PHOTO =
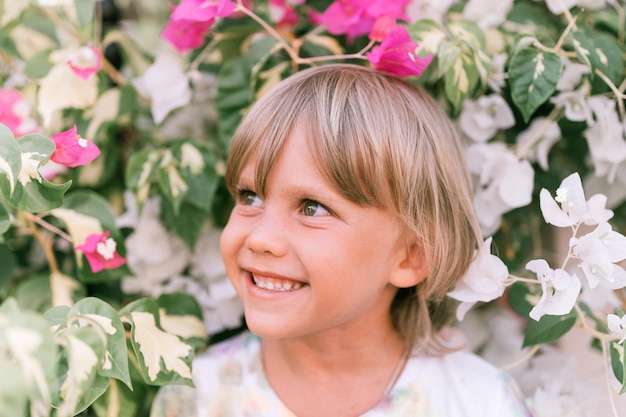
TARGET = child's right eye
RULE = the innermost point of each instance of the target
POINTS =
(249, 198)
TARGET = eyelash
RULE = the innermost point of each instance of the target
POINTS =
(243, 193)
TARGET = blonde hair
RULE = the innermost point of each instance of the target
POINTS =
(380, 142)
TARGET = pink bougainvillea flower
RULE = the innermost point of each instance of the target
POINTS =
(72, 150)
(383, 26)
(203, 10)
(86, 61)
(283, 13)
(100, 251)
(396, 55)
(356, 17)
(186, 35)
(14, 112)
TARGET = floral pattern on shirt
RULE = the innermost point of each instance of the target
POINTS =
(230, 382)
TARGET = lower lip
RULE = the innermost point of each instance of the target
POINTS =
(264, 293)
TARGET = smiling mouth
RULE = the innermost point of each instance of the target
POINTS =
(275, 284)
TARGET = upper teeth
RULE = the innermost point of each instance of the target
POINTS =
(275, 284)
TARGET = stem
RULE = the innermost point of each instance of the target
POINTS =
(513, 279)
(205, 52)
(112, 72)
(605, 359)
(61, 23)
(602, 337)
(290, 51)
(570, 25)
(41, 222)
(618, 94)
(531, 352)
(45, 241)
(97, 24)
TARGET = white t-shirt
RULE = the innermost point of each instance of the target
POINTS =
(230, 382)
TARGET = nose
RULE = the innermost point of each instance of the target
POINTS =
(268, 235)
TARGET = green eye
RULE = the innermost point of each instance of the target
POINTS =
(248, 198)
(313, 208)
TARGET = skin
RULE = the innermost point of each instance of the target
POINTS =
(329, 347)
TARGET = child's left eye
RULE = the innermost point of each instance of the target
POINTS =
(313, 208)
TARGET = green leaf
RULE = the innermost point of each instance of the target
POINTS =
(38, 65)
(31, 192)
(119, 401)
(427, 33)
(162, 356)
(180, 314)
(533, 76)
(85, 11)
(448, 54)
(236, 86)
(7, 266)
(28, 342)
(84, 351)
(617, 363)
(548, 329)
(92, 204)
(34, 293)
(140, 172)
(10, 161)
(98, 314)
(171, 180)
(13, 390)
(599, 52)
(57, 315)
(461, 80)
(518, 295)
(5, 219)
(187, 223)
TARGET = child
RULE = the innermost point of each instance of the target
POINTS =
(353, 219)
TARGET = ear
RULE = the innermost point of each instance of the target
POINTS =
(411, 269)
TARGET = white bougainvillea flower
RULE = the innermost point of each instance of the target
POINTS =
(617, 326)
(605, 137)
(535, 142)
(154, 254)
(496, 78)
(487, 13)
(165, 84)
(615, 192)
(569, 206)
(571, 75)
(86, 61)
(560, 6)
(429, 9)
(575, 104)
(485, 280)
(559, 290)
(504, 182)
(62, 89)
(481, 119)
(598, 250)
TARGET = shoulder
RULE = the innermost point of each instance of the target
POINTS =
(461, 384)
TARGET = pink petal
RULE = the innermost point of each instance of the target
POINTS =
(203, 10)
(72, 150)
(86, 61)
(383, 26)
(396, 55)
(96, 261)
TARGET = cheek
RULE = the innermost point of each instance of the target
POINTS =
(230, 242)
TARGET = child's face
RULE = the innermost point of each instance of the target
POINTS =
(305, 260)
